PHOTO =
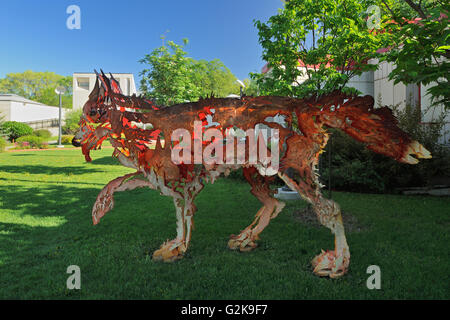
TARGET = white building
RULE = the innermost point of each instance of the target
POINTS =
(84, 82)
(35, 114)
(412, 94)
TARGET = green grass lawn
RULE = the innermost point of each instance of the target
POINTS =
(45, 225)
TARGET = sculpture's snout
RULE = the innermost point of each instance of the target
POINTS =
(76, 142)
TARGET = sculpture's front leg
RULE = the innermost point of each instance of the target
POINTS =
(328, 263)
(332, 263)
(174, 249)
(105, 199)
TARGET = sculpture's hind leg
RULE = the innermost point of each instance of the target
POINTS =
(329, 263)
(245, 241)
(185, 209)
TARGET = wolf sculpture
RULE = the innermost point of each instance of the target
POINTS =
(140, 133)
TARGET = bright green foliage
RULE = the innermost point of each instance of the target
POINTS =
(42, 133)
(71, 122)
(38, 86)
(32, 142)
(251, 87)
(213, 77)
(173, 78)
(2, 144)
(66, 139)
(420, 50)
(16, 129)
(331, 36)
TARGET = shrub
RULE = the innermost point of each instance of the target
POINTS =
(2, 144)
(30, 142)
(428, 135)
(355, 168)
(72, 119)
(66, 139)
(43, 133)
(16, 129)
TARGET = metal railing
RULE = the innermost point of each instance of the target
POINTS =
(42, 124)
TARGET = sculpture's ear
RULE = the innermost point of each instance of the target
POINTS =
(115, 86)
(106, 84)
(95, 92)
(103, 84)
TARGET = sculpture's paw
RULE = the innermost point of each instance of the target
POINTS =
(102, 205)
(170, 251)
(327, 264)
(243, 242)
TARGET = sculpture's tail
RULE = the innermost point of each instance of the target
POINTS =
(376, 128)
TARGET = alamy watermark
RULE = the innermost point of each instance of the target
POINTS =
(229, 150)
(74, 20)
(374, 18)
(74, 280)
(374, 281)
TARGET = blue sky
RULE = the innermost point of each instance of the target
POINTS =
(114, 34)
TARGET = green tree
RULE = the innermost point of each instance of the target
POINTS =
(336, 39)
(213, 77)
(71, 121)
(418, 43)
(329, 36)
(251, 87)
(38, 86)
(172, 77)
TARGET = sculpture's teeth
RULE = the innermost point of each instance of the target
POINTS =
(419, 150)
(416, 149)
(410, 160)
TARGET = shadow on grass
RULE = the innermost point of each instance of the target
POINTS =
(50, 199)
(43, 169)
(46, 228)
(59, 182)
(109, 160)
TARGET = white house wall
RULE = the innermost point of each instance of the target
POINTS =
(29, 112)
(5, 110)
(363, 83)
(385, 92)
(431, 114)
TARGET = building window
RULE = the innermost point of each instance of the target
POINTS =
(83, 83)
(128, 86)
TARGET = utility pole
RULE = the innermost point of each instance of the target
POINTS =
(59, 91)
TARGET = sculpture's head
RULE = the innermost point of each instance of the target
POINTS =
(94, 121)
(376, 127)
